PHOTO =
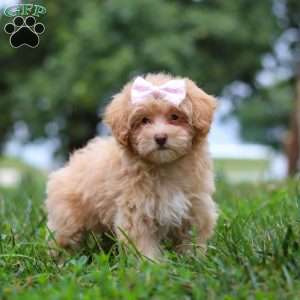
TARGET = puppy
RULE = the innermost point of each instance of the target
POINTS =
(152, 180)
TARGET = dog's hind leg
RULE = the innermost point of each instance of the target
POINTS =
(66, 223)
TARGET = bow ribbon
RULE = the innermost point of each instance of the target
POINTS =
(173, 91)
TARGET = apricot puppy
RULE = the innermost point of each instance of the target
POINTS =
(151, 180)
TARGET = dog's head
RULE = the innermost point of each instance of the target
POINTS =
(157, 130)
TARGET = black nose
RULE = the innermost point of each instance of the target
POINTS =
(160, 139)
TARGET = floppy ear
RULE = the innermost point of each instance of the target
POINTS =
(116, 117)
(203, 106)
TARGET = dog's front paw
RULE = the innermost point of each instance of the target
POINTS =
(191, 249)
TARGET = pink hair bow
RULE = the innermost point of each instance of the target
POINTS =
(173, 91)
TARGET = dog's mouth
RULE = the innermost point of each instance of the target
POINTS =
(159, 149)
(162, 148)
(163, 154)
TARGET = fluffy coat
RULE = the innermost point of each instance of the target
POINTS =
(126, 184)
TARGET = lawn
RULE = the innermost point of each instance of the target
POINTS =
(254, 254)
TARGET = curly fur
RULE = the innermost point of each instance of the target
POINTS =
(126, 184)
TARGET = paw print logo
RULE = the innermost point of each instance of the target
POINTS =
(24, 32)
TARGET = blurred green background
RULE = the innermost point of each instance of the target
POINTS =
(244, 52)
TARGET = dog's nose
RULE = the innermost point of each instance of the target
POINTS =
(160, 139)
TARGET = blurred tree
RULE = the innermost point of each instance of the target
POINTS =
(265, 114)
(272, 113)
(90, 49)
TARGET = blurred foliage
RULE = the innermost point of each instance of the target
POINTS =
(90, 49)
(24, 169)
(266, 113)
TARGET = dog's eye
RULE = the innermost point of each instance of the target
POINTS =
(174, 117)
(146, 120)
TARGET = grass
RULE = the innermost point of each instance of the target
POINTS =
(254, 254)
(238, 170)
(231, 165)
